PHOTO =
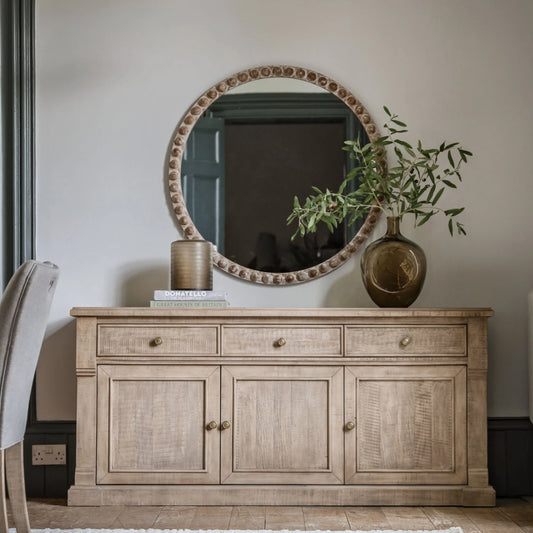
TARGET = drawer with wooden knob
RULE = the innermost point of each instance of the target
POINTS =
(157, 340)
(324, 341)
(445, 340)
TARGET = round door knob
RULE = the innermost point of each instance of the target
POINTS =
(281, 342)
(405, 341)
(211, 425)
(349, 426)
(225, 425)
(158, 341)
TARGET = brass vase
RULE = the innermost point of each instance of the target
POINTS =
(393, 268)
(191, 265)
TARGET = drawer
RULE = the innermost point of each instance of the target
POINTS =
(406, 340)
(157, 340)
(282, 340)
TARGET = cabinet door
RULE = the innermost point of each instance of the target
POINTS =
(284, 424)
(152, 424)
(410, 425)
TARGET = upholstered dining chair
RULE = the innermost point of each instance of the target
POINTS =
(24, 310)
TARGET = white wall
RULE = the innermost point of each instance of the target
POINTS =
(115, 76)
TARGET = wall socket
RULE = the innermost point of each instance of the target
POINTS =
(49, 454)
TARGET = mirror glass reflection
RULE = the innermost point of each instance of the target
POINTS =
(251, 152)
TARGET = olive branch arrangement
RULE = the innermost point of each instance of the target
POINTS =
(413, 185)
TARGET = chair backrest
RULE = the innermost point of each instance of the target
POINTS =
(24, 310)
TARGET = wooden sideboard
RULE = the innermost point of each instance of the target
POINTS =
(281, 407)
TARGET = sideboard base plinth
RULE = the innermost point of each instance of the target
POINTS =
(282, 495)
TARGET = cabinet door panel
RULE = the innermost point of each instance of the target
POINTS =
(152, 424)
(286, 424)
(410, 425)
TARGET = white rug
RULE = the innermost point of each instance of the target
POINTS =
(450, 530)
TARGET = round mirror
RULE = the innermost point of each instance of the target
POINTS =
(245, 148)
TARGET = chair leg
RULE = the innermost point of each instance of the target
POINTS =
(15, 486)
(3, 507)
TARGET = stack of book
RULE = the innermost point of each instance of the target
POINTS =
(184, 299)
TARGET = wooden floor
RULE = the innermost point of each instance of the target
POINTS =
(510, 515)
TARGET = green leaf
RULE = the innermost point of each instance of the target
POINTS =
(404, 143)
(450, 159)
(399, 123)
(437, 197)
(387, 111)
(452, 145)
(425, 218)
(450, 184)
(450, 226)
(296, 202)
(460, 229)
(454, 212)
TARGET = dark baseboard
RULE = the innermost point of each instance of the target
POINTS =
(49, 481)
(510, 458)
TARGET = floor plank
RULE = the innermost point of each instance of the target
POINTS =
(137, 517)
(407, 518)
(284, 518)
(175, 517)
(366, 518)
(50, 514)
(211, 518)
(445, 517)
(519, 511)
(247, 517)
(328, 518)
(491, 520)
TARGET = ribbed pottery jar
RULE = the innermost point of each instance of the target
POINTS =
(191, 265)
(393, 268)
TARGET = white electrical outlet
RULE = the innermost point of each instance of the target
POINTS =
(49, 454)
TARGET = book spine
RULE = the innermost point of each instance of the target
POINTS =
(189, 295)
(188, 303)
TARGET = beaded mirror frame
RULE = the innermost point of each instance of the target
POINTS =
(185, 127)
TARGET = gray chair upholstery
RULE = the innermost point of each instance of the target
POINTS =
(24, 310)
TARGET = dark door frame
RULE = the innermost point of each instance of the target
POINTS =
(18, 144)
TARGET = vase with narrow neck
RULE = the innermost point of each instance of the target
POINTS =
(393, 268)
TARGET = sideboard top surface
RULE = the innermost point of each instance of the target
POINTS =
(289, 312)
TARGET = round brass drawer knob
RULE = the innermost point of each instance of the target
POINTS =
(349, 426)
(158, 341)
(211, 425)
(225, 425)
(405, 341)
(281, 342)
